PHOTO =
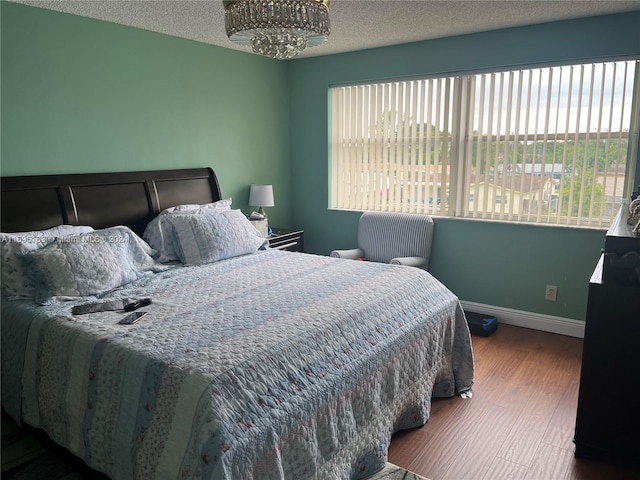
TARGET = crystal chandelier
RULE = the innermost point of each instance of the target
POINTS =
(277, 28)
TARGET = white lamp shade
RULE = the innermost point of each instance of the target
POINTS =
(261, 195)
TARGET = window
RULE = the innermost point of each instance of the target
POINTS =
(544, 145)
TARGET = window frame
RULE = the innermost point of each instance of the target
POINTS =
(461, 141)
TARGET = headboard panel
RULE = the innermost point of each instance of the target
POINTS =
(101, 199)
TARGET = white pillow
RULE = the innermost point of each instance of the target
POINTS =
(220, 205)
(89, 263)
(200, 239)
(159, 233)
(15, 281)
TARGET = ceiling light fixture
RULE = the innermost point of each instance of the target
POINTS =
(277, 28)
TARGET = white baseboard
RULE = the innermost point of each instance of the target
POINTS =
(536, 321)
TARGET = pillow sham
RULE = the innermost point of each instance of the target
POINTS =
(88, 264)
(200, 239)
(159, 232)
(220, 205)
(16, 284)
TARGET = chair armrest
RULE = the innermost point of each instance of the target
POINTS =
(420, 262)
(351, 254)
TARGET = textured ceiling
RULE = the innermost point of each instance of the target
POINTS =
(355, 24)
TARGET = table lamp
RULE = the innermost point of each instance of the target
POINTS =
(261, 196)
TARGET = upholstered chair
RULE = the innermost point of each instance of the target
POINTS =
(390, 237)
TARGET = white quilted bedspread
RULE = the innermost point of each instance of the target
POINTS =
(267, 366)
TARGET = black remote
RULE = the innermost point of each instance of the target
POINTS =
(99, 307)
(130, 307)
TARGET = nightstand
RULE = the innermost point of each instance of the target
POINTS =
(286, 239)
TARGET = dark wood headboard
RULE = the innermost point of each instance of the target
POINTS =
(101, 199)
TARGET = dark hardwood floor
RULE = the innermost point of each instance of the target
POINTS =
(519, 423)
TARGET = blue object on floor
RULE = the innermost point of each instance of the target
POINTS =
(481, 324)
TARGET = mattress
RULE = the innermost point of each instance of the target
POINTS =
(265, 366)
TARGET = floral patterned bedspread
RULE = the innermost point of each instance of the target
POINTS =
(267, 366)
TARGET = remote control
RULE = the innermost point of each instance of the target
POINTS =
(98, 307)
(130, 307)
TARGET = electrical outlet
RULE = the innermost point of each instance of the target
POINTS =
(551, 293)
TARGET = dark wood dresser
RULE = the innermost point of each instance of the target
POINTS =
(608, 416)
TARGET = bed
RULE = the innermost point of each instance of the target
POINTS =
(260, 365)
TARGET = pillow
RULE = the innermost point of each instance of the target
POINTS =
(88, 264)
(200, 239)
(159, 233)
(220, 205)
(15, 281)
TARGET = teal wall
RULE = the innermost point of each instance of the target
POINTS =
(82, 95)
(486, 262)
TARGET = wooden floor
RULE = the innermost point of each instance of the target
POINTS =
(519, 423)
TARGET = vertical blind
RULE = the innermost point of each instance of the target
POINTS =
(545, 145)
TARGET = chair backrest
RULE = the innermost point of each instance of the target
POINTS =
(386, 235)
